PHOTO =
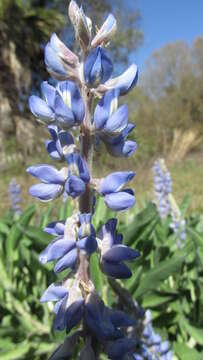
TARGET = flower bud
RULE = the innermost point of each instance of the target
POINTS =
(106, 32)
(66, 349)
(98, 67)
(81, 24)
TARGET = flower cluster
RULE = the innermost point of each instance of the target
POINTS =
(15, 197)
(151, 346)
(165, 201)
(66, 110)
(162, 188)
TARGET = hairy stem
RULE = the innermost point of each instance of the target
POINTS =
(85, 202)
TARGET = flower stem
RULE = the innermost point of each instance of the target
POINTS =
(85, 202)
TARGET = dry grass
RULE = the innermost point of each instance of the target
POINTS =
(182, 144)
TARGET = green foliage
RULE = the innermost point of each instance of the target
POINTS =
(165, 279)
(25, 324)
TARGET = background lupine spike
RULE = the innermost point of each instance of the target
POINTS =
(165, 201)
(15, 197)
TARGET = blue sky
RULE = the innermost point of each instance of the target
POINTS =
(166, 21)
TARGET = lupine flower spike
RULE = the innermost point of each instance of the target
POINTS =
(165, 201)
(15, 197)
(66, 110)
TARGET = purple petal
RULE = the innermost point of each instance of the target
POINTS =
(119, 271)
(40, 109)
(47, 173)
(120, 201)
(83, 169)
(87, 244)
(98, 67)
(52, 150)
(74, 186)
(121, 319)
(59, 321)
(74, 314)
(119, 348)
(125, 82)
(49, 93)
(46, 192)
(105, 107)
(115, 181)
(64, 115)
(71, 96)
(118, 120)
(106, 32)
(53, 129)
(66, 261)
(55, 228)
(120, 253)
(63, 52)
(53, 293)
(65, 138)
(53, 63)
(56, 249)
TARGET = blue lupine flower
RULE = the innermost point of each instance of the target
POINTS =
(104, 109)
(98, 320)
(69, 306)
(53, 182)
(44, 110)
(124, 83)
(113, 252)
(98, 67)
(87, 235)
(60, 144)
(63, 247)
(113, 126)
(115, 197)
(62, 105)
(69, 106)
(115, 181)
(15, 197)
(106, 31)
(55, 228)
(78, 175)
(61, 63)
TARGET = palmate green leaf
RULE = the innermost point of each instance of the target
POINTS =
(154, 277)
(18, 351)
(185, 353)
(194, 332)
